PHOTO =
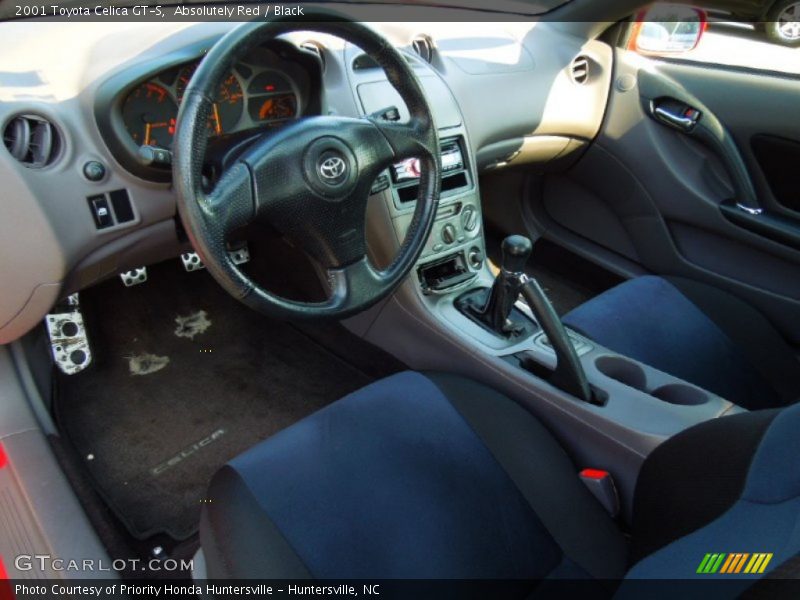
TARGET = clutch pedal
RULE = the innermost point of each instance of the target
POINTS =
(69, 342)
(134, 276)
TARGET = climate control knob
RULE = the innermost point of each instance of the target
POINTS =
(469, 218)
(449, 234)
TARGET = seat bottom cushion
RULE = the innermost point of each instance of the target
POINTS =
(659, 323)
(415, 476)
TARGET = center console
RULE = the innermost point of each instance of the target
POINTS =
(607, 409)
(454, 253)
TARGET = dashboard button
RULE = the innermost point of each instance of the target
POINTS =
(475, 258)
(94, 170)
(100, 211)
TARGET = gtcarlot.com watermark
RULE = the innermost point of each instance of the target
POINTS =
(46, 563)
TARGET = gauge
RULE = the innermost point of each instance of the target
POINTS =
(273, 108)
(149, 115)
(269, 82)
(228, 102)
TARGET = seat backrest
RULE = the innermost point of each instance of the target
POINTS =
(721, 500)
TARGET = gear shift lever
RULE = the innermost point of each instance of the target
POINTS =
(507, 285)
(510, 281)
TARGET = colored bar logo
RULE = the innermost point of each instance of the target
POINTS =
(742, 563)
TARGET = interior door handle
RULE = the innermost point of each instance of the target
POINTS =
(659, 91)
(684, 123)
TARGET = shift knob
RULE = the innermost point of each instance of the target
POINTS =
(516, 252)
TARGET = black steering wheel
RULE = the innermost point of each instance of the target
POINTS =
(311, 179)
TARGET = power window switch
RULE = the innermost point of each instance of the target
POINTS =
(101, 212)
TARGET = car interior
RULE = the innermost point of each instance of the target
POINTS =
(452, 295)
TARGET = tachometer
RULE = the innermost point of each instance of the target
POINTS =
(149, 115)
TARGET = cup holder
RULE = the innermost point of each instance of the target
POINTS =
(624, 371)
(678, 393)
(631, 374)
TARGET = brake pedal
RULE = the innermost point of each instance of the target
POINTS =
(69, 341)
(134, 276)
(191, 261)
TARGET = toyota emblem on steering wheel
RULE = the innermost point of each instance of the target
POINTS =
(332, 169)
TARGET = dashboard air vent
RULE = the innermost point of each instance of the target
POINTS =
(32, 140)
(423, 46)
(579, 70)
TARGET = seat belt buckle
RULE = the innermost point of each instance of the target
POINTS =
(602, 487)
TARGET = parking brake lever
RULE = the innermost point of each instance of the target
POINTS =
(569, 374)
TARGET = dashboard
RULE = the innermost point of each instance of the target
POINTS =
(505, 92)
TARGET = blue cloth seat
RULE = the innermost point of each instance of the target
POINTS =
(697, 333)
(435, 476)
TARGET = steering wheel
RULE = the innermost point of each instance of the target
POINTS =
(310, 179)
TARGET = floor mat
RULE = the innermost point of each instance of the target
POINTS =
(185, 378)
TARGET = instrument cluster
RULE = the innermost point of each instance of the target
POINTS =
(248, 97)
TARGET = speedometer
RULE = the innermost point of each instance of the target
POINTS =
(149, 114)
(228, 102)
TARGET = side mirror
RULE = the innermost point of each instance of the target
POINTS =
(668, 29)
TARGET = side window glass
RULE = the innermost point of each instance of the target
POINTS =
(759, 34)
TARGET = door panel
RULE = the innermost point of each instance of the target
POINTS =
(749, 104)
(673, 196)
(778, 159)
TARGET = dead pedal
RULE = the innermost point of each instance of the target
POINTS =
(134, 276)
(69, 341)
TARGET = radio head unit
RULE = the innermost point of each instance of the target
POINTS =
(409, 169)
(455, 174)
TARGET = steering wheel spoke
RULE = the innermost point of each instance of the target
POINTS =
(351, 286)
(407, 140)
(230, 205)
